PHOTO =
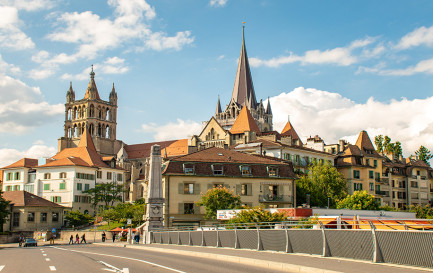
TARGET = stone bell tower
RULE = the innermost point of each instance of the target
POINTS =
(99, 116)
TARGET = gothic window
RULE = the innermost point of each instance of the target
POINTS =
(92, 111)
(99, 130)
(107, 114)
(75, 113)
(69, 114)
(99, 112)
(92, 129)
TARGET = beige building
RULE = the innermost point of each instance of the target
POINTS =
(31, 213)
(258, 180)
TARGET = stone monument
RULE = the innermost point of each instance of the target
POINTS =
(155, 201)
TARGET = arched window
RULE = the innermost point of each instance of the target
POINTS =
(99, 112)
(107, 114)
(92, 129)
(99, 132)
(75, 113)
(92, 111)
(141, 191)
(74, 131)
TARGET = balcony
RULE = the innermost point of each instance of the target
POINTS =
(382, 193)
(275, 198)
(384, 181)
(423, 178)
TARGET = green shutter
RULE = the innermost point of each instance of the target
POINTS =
(181, 189)
(180, 208)
(196, 209)
(52, 198)
(196, 188)
(280, 190)
(249, 189)
(238, 189)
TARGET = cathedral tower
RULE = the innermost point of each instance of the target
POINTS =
(99, 116)
(243, 95)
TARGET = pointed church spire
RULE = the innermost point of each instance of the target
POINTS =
(243, 90)
(92, 91)
(113, 96)
(268, 108)
(70, 94)
(218, 108)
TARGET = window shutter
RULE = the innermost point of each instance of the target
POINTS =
(196, 188)
(196, 209)
(238, 189)
(249, 189)
(181, 189)
(280, 190)
(52, 198)
(180, 208)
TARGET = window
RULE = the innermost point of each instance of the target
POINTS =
(8, 176)
(55, 217)
(56, 199)
(99, 174)
(86, 187)
(46, 187)
(245, 170)
(188, 188)
(43, 216)
(370, 174)
(29, 188)
(62, 186)
(30, 217)
(16, 219)
(273, 171)
(375, 163)
(414, 184)
(109, 175)
(188, 168)
(47, 176)
(188, 208)
(357, 186)
(371, 186)
(217, 169)
(119, 177)
(15, 187)
(62, 175)
(356, 174)
(17, 176)
(367, 162)
(8, 188)
(79, 186)
(377, 177)
(31, 177)
(246, 189)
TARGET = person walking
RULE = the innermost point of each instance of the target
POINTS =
(21, 240)
(137, 237)
(83, 238)
(114, 236)
(77, 239)
(103, 236)
(71, 239)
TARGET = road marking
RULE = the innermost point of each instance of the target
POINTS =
(121, 257)
(52, 268)
(1, 267)
(44, 254)
(113, 268)
(47, 259)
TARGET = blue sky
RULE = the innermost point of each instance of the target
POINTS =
(336, 67)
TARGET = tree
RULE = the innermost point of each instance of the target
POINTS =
(425, 212)
(77, 218)
(397, 149)
(388, 146)
(384, 145)
(424, 154)
(359, 200)
(4, 210)
(217, 199)
(107, 193)
(323, 181)
(123, 211)
(257, 215)
(378, 141)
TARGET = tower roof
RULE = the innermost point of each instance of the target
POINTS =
(86, 141)
(268, 108)
(244, 122)
(290, 131)
(365, 145)
(243, 90)
(218, 108)
(92, 87)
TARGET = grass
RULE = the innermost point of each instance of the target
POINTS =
(112, 225)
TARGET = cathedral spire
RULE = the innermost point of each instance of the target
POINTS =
(113, 96)
(268, 108)
(92, 91)
(243, 90)
(218, 108)
(70, 94)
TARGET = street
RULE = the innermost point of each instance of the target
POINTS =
(91, 258)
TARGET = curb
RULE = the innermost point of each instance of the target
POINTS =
(247, 261)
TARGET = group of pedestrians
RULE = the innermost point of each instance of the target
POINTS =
(77, 239)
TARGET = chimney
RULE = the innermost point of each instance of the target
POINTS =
(340, 145)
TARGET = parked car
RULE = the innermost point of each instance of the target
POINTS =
(30, 242)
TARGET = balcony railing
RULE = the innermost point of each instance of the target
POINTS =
(423, 177)
(382, 193)
(275, 198)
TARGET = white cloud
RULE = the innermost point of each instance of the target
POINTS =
(10, 34)
(9, 156)
(29, 5)
(333, 117)
(112, 65)
(420, 36)
(217, 3)
(173, 130)
(339, 56)
(8, 68)
(158, 41)
(424, 66)
(24, 108)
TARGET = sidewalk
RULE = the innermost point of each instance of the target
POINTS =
(276, 260)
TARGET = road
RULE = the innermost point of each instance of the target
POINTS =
(91, 258)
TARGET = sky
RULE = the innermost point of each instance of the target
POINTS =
(334, 67)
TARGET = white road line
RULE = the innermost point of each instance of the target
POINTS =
(44, 254)
(115, 269)
(52, 268)
(121, 257)
(47, 259)
(1, 267)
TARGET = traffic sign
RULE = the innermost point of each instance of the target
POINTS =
(53, 230)
(129, 222)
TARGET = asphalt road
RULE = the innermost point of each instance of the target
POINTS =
(90, 258)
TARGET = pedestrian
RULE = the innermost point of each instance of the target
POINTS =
(77, 239)
(83, 238)
(71, 239)
(52, 239)
(114, 236)
(21, 240)
(137, 238)
(103, 236)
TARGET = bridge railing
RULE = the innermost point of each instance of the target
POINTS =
(364, 241)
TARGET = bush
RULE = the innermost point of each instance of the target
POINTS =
(77, 218)
(257, 215)
(218, 198)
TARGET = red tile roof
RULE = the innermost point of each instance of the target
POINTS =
(289, 130)
(24, 162)
(244, 123)
(143, 150)
(26, 199)
(179, 147)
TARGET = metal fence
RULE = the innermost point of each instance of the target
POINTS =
(407, 247)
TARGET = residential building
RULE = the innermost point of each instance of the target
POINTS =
(30, 212)
(257, 179)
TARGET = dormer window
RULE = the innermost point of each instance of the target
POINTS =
(245, 170)
(217, 169)
(188, 168)
(273, 171)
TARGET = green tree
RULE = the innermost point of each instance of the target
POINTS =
(359, 200)
(323, 181)
(424, 154)
(422, 212)
(217, 199)
(123, 211)
(257, 215)
(106, 193)
(397, 149)
(77, 218)
(378, 141)
(4, 210)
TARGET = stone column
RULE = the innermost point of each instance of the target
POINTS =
(154, 200)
